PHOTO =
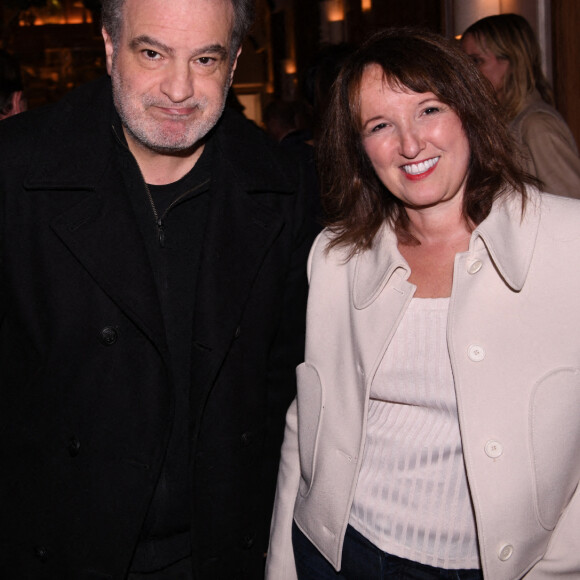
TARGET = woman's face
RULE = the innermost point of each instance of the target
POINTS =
(415, 142)
(490, 66)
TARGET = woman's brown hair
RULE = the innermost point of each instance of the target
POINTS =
(356, 202)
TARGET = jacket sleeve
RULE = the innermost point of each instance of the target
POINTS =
(553, 157)
(562, 558)
(280, 562)
(287, 351)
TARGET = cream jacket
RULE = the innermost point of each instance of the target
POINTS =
(548, 147)
(514, 345)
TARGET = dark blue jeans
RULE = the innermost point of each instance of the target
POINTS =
(362, 560)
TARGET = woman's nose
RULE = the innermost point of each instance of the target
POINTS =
(411, 142)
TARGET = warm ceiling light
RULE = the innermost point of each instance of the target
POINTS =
(334, 10)
(290, 67)
(366, 5)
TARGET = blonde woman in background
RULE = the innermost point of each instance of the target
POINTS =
(506, 51)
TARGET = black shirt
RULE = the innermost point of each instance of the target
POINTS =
(172, 218)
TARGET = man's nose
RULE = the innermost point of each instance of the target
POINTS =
(178, 83)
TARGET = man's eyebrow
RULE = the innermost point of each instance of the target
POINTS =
(145, 40)
(212, 49)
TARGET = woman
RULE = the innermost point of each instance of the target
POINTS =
(506, 51)
(435, 433)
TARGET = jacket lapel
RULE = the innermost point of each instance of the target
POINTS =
(239, 233)
(99, 227)
(103, 234)
(511, 241)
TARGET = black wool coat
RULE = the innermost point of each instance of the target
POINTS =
(85, 395)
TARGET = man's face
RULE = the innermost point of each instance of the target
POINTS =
(171, 70)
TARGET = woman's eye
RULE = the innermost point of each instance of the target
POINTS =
(431, 110)
(378, 127)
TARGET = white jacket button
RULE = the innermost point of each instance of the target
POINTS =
(475, 266)
(506, 552)
(475, 353)
(493, 449)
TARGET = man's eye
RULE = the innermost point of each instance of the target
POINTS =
(151, 54)
(206, 60)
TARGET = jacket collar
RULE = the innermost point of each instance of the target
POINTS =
(73, 165)
(251, 158)
(508, 237)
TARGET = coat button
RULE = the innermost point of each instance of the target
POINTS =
(109, 336)
(475, 353)
(41, 553)
(506, 552)
(74, 446)
(493, 449)
(238, 332)
(475, 266)
(247, 438)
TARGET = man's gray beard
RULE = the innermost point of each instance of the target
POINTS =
(138, 129)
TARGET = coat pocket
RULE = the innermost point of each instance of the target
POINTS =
(310, 403)
(555, 439)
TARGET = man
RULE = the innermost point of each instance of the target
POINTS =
(11, 100)
(152, 299)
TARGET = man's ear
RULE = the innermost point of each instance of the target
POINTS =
(109, 49)
(234, 65)
(18, 103)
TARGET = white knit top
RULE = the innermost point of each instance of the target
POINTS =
(412, 498)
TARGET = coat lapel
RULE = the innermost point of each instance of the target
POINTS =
(239, 233)
(99, 227)
(103, 234)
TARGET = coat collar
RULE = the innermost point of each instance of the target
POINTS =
(508, 237)
(254, 163)
(75, 128)
(73, 164)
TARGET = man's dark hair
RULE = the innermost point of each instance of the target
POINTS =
(10, 80)
(244, 14)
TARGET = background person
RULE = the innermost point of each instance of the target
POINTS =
(506, 51)
(12, 101)
(152, 304)
(435, 432)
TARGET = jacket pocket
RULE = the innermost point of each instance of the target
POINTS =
(555, 440)
(310, 410)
